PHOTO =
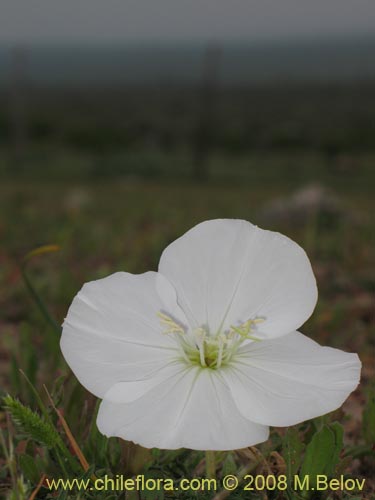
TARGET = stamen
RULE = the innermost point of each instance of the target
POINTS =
(244, 330)
(183, 352)
(222, 342)
(199, 347)
(243, 334)
(171, 325)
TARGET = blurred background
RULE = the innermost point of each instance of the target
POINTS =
(123, 124)
(246, 92)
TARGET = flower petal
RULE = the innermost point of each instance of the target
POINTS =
(192, 408)
(128, 391)
(228, 271)
(284, 381)
(112, 332)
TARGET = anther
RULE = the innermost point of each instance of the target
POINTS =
(170, 324)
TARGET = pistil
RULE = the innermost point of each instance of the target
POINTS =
(222, 342)
(200, 335)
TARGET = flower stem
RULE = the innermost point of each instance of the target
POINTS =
(210, 465)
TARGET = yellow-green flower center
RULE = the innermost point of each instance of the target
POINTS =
(199, 347)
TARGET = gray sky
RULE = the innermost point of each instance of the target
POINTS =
(163, 20)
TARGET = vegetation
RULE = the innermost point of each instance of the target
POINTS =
(106, 182)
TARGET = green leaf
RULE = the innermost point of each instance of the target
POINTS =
(63, 495)
(152, 495)
(229, 465)
(88, 473)
(360, 451)
(39, 302)
(29, 468)
(293, 447)
(322, 453)
(15, 374)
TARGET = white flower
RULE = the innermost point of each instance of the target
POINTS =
(204, 354)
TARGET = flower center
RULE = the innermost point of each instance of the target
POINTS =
(200, 347)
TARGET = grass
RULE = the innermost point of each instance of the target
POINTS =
(124, 225)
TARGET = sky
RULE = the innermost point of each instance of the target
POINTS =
(108, 21)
